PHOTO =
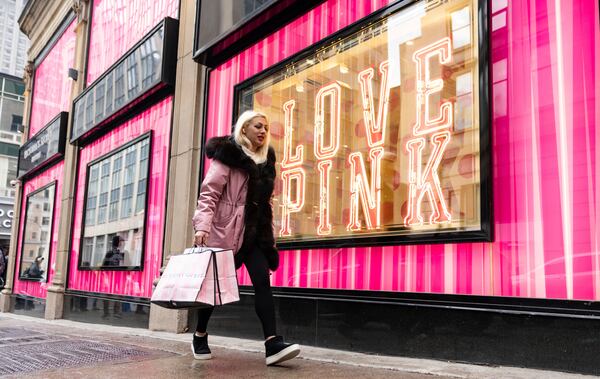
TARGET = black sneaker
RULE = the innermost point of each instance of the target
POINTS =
(278, 351)
(200, 347)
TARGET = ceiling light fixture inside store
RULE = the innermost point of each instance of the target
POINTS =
(344, 69)
(299, 87)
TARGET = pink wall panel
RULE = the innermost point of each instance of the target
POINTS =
(131, 283)
(51, 86)
(30, 288)
(117, 25)
(545, 65)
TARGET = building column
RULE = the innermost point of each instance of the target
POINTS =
(184, 163)
(56, 291)
(7, 299)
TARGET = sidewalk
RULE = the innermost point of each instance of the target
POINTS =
(39, 348)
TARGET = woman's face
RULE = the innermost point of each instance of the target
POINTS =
(256, 131)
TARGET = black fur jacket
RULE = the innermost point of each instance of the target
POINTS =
(258, 216)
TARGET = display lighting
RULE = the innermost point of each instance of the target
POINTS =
(427, 87)
(290, 206)
(326, 153)
(324, 167)
(296, 157)
(422, 182)
(291, 170)
(368, 195)
(427, 181)
(375, 127)
(365, 190)
(332, 91)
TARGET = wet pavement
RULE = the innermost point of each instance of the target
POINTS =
(37, 348)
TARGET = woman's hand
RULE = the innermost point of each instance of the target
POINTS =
(200, 238)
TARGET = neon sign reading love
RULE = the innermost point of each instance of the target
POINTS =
(366, 193)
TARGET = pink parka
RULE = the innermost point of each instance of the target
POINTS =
(234, 205)
(221, 204)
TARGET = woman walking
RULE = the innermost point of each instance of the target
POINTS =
(235, 212)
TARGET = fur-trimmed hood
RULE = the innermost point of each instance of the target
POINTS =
(258, 213)
(226, 150)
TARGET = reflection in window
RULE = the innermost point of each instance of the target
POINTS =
(132, 75)
(119, 85)
(146, 52)
(141, 188)
(39, 208)
(108, 107)
(463, 109)
(103, 196)
(461, 28)
(100, 100)
(115, 191)
(114, 239)
(79, 111)
(128, 181)
(89, 106)
(90, 214)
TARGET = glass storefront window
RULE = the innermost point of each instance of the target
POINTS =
(37, 234)
(378, 133)
(113, 230)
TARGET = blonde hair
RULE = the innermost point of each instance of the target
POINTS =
(260, 155)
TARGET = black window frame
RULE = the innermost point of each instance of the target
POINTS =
(127, 97)
(256, 25)
(148, 135)
(53, 183)
(486, 232)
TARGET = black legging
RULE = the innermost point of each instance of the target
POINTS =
(258, 268)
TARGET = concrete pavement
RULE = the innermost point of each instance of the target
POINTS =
(40, 348)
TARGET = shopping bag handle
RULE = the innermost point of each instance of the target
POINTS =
(204, 249)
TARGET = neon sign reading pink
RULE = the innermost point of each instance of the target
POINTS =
(427, 181)
(365, 190)
(363, 193)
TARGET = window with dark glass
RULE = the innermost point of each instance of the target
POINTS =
(80, 112)
(120, 85)
(132, 74)
(89, 106)
(115, 239)
(146, 52)
(16, 122)
(100, 100)
(108, 107)
(37, 234)
(218, 17)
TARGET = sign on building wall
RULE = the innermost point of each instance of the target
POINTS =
(6, 218)
(43, 148)
(381, 134)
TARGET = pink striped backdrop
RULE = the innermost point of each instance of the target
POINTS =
(25, 287)
(132, 283)
(545, 64)
(51, 86)
(117, 25)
